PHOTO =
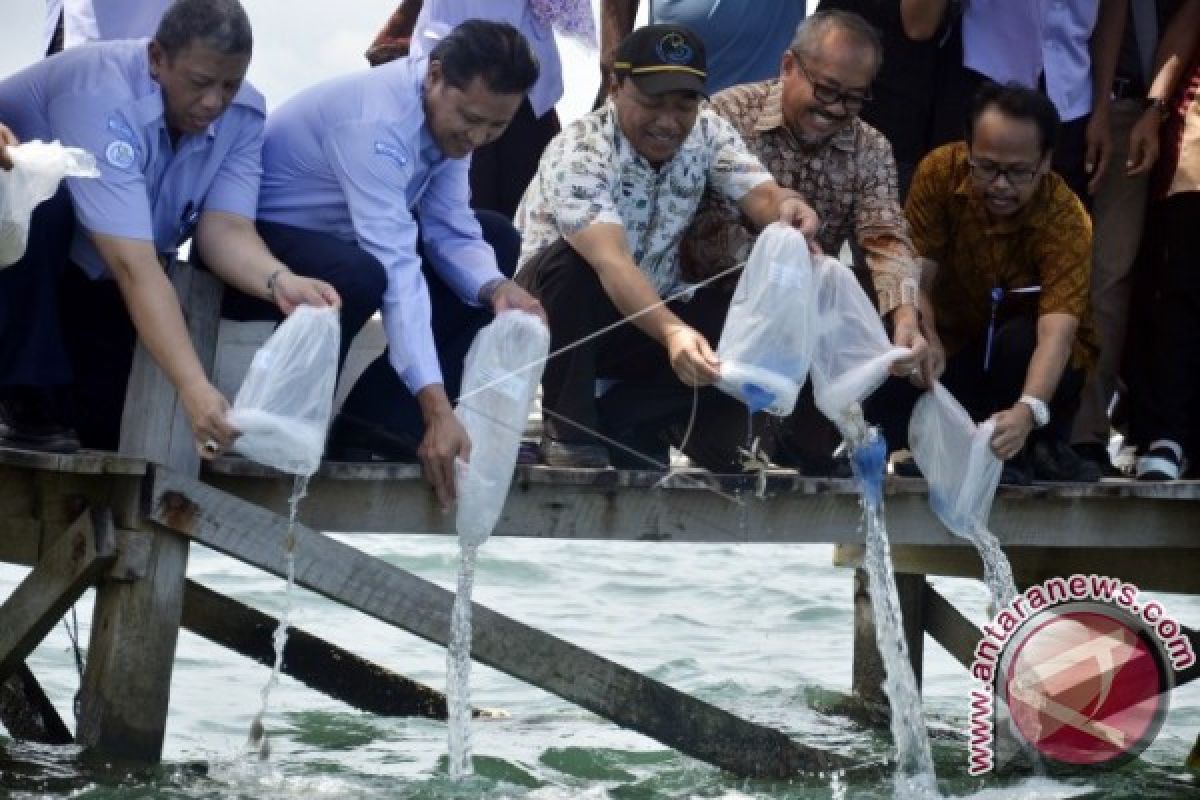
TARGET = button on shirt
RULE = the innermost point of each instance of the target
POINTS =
(100, 97)
(353, 158)
(1018, 40)
(438, 17)
(590, 174)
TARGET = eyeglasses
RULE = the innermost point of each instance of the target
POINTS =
(1017, 174)
(827, 95)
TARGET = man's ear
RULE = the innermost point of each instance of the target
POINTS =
(157, 57)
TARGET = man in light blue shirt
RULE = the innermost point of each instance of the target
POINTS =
(177, 137)
(367, 174)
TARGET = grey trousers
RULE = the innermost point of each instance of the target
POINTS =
(1118, 213)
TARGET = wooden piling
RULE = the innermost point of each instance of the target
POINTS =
(867, 671)
(27, 713)
(127, 683)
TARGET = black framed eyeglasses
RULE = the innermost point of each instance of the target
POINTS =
(1016, 174)
(851, 100)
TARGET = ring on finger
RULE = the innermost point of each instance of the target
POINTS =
(211, 446)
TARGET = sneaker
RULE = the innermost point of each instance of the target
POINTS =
(1162, 461)
(1098, 455)
(573, 455)
(1055, 460)
(26, 422)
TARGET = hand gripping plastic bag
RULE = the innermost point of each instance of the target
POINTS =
(284, 405)
(38, 169)
(500, 378)
(956, 458)
(767, 341)
(852, 355)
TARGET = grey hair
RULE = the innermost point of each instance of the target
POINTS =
(812, 32)
(221, 25)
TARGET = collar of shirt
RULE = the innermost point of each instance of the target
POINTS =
(771, 118)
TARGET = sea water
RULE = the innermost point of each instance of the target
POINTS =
(458, 668)
(257, 743)
(915, 776)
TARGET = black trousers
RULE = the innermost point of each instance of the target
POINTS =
(501, 170)
(1169, 407)
(981, 392)
(380, 400)
(650, 406)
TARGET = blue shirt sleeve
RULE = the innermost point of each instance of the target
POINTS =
(116, 203)
(373, 169)
(453, 240)
(235, 186)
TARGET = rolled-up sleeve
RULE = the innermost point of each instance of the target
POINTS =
(881, 229)
(579, 192)
(117, 203)
(372, 169)
(451, 233)
(235, 186)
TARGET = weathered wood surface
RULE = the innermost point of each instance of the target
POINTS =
(612, 504)
(1152, 569)
(127, 684)
(867, 667)
(314, 662)
(27, 713)
(392, 595)
(62, 574)
(948, 627)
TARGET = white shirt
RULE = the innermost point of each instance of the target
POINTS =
(438, 17)
(591, 174)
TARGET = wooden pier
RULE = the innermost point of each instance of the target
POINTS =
(124, 523)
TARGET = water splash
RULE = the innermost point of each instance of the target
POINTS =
(257, 742)
(915, 776)
(458, 669)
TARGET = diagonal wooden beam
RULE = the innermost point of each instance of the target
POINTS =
(341, 573)
(27, 712)
(313, 661)
(62, 574)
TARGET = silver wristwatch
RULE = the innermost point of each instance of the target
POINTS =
(1039, 409)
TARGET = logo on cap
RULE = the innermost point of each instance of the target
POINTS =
(673, 49)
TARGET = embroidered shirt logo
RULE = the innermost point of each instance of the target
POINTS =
(392, 152)
(120, 154)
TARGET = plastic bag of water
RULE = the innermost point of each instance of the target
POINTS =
(284, 405)
(852, 354)
(37, 170)
(500, 378)
(767, 341)
(956, 458)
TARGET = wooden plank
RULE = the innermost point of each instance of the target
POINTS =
(127, 684)
(60, 577)
(949, 628)
(84, 462)
(314, 662)
(20, 540)
(612, 504)
(867, 667)
(1151, 569)
(27, 713)
(337, 571)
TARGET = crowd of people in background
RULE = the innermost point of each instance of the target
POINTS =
(1015, 183)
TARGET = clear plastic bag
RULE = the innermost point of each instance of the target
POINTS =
(852, 355)
(500, 378)
(284, 405)
(38, 169)
(956, 458)
(767, 342)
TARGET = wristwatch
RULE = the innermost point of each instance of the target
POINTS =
(1039, 409)
(1160, 105)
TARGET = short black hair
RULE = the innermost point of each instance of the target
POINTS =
(493, 51)
(219, 24)
(1018, 102)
